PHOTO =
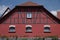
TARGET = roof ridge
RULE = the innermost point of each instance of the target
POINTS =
(29, 3)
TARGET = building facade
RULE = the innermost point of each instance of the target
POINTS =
(29, 20)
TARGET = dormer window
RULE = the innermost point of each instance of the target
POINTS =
(29, 15)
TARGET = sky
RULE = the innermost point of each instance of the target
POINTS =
(50, 5)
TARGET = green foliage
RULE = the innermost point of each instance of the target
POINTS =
(37, 38)
(24, 38)
(53, 37)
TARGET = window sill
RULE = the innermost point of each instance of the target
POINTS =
(12, 32)
(28, 32)
(29, 18)
(47, 32)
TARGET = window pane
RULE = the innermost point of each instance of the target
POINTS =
(12, 29)
(28, 29)
(29, 15)
(46, 29)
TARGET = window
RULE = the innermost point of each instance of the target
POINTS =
(28, 28)
(29, 15)
(12, 29)
(47, 28)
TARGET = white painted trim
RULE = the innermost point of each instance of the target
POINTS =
(11, 25)
(46, 25)
(28, 26)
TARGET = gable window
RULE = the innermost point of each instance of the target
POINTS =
(28, 28)
(47, 28)
(12, 29)
(29, 15)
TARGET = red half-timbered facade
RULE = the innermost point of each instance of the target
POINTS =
(29, 20)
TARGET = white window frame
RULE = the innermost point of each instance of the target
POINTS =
(29, 15)
(12, 26)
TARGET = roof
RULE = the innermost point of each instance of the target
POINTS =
(29, 4)
(41, 7)
(52, 16)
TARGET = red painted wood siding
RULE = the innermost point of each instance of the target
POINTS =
(37, 30)
(37, 17)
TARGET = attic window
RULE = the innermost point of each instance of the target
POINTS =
(29, 15)
(12, 29)
(47, 28)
